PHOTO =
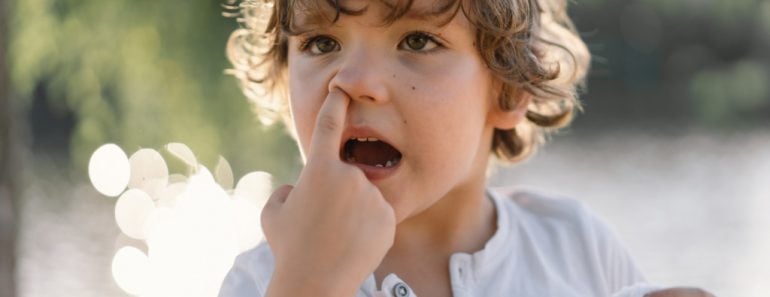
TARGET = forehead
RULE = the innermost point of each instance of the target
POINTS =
(314, 13)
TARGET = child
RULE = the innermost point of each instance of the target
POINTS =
(396, 106)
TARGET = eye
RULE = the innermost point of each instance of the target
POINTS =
(418, 42)
(319, 45)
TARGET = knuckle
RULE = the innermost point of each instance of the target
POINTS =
(328, 123)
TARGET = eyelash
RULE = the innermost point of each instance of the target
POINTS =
(431, 38)
(308, 41)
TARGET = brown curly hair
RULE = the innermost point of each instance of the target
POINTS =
(531, 46)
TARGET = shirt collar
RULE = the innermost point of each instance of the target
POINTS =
(500, 246)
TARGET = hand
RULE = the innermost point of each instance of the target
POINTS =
(332, 229)
(680, 292)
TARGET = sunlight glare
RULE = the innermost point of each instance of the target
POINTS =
(194, 226)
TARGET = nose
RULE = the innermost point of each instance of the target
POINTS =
(362, 75)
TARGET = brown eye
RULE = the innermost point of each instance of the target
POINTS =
(322, 45)
(418, 42)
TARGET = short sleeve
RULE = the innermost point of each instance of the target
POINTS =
(623, 277)
(579, 247)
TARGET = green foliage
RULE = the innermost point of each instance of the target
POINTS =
(725, 95)
(142, 73)
(691, 63)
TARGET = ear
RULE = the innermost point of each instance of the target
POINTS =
(509, 119)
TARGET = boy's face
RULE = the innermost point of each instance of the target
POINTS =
(420, 89)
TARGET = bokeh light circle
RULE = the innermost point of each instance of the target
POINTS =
(255, 186)
(149, 171)
(130, 269)
(131, 212)
(109, 170)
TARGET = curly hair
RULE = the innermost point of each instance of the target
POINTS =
(531, 46)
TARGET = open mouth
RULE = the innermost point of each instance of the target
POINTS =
(370, 151)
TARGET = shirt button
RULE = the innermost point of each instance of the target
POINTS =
(400, 290)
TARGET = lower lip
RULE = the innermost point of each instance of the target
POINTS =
(374, 173)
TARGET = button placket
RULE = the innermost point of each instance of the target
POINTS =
(392, 286)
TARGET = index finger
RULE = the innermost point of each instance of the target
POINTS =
(330, 123)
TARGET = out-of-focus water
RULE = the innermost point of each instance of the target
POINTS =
(67, 239)
(693, 209)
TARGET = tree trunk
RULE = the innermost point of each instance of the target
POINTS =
(8, 205)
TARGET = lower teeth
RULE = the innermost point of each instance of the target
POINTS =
(387, 164)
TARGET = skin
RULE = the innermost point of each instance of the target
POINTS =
(436, 103)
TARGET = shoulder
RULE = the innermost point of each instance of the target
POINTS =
(564, 232)
(556, 219)
(536, 208)
(250, 273)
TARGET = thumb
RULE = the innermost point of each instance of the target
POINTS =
(273, 206)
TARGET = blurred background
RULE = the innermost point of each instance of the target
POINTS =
(673, 148)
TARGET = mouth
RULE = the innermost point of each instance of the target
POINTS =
(378, 159)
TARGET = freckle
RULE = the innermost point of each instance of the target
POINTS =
(413, 88)
(404, 122)
(394, 76)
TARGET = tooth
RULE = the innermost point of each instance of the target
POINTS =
(372, 139)
(378, 165)
(362, 139)
(389, 164)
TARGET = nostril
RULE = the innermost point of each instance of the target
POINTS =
(367, 98)
(363, 85)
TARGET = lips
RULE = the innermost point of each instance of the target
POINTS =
(368, 151)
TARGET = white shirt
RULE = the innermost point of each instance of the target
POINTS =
(542, 247)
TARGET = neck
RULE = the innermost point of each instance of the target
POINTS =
(461, 221)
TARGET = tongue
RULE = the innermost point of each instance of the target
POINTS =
(373, 153)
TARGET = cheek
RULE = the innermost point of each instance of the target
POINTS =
(449, 112)
(460, 80)
(458, 98)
